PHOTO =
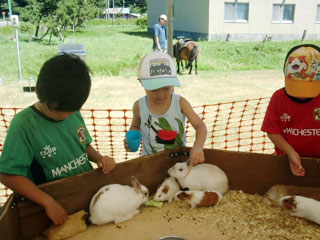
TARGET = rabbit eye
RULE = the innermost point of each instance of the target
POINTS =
(180, 169)
(159, 195)
(145, 194)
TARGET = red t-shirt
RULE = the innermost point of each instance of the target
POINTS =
(298, 123)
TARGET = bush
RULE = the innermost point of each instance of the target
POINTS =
(26, 27)
(142, 22)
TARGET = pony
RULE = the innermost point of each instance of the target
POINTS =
(188, 50)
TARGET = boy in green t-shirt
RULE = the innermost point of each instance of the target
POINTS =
(49, 140)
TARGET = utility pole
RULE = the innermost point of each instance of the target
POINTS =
(112, 11)
(10, 11)
(123, 9)
(15, 23)
(169, 29)
(108, 10)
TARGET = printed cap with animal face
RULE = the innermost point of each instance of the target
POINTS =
(157, 70)
(302, 71)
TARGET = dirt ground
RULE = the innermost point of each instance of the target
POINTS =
(204, 88)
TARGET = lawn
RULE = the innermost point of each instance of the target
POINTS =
(115, 50)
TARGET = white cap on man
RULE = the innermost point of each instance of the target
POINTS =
(163, 16)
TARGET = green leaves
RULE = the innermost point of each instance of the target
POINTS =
(56, 15)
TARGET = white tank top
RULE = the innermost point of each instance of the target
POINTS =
(173, 120)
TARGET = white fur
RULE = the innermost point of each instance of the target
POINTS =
(118, 204)
(197, 197)
(173, 187)
(202, 177)
(307, 208)
(278, 191)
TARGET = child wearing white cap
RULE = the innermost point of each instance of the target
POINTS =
(160, 114)
(159, 34)
(292, 120)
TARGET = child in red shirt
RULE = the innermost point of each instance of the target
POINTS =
(292, 120)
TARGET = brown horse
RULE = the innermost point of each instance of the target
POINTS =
(186, 50)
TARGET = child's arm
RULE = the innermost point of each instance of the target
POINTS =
(28, 189)
(294, 158)
(104, 162)
(196, 153)
(135, 124)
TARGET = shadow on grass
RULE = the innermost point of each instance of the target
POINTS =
(139, 34)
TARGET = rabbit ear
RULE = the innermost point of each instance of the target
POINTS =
(135, 182)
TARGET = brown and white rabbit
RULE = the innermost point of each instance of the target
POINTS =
(303, 207)
(117, 203)
(199, 198)
(167, 190)
(202, 177)
(278, 191)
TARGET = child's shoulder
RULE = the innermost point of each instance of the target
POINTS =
(279, 93)
(23, 118)
(23, 114)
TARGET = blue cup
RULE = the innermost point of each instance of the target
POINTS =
(133, 138)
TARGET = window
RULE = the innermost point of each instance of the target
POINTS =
(283, 13)
(236, 12)
(318, 14)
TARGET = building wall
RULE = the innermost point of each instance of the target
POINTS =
(155, 9)
(260, 21)
(204, 19)
(189, 17)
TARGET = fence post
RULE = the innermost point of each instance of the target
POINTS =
(304, 35)
(228, 39)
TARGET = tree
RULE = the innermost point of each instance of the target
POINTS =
(76, 12)
(56, 15)
(39, 12)
(139, 6)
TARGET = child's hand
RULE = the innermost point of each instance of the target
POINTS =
(55, 212)
(196, 155)
(126, 145)
(106, 164)
(295, 164)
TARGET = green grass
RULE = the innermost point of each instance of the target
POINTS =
(115, 49)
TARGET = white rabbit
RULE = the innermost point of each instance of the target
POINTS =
(167, 190)
(303, 207)
(117, 203)
(202, 177)
(199, 198)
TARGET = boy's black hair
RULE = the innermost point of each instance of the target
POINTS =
(295, 48)
(64, 83)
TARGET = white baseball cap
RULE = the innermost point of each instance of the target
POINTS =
(163, 16)
(157, 70)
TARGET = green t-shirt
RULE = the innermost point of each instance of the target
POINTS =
(44, 150)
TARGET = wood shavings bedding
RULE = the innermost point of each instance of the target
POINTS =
(244, 216)
(238, 216)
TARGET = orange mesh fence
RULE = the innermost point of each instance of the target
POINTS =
(231, 126)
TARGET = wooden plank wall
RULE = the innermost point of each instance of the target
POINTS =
(250, 172)
(9, 221)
